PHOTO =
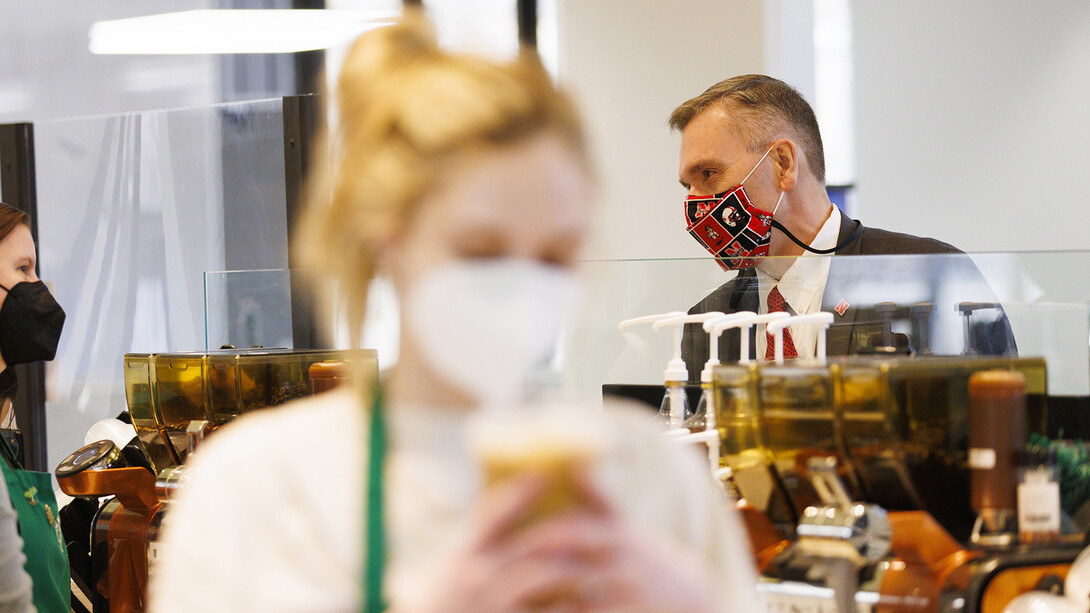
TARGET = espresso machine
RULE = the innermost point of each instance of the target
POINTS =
(861, 480)
(175, 400)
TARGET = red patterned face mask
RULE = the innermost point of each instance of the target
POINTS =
(729, 226)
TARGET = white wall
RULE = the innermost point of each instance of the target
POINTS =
(628, 65)
(789, 44)
(973, 119)
(970, 116)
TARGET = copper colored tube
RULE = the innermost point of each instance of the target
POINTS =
(997, 400)
(924, 556)
(765, 539)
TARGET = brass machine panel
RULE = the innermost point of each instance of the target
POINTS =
(166, 391)
(897, 426)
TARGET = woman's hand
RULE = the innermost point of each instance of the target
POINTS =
(584, 560)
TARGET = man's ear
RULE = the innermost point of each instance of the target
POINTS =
(785, 160)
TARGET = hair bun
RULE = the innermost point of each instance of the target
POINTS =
(386, 50)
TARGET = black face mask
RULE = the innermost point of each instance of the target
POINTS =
(30, 324)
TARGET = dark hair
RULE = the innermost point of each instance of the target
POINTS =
(10, 217)
(769, 108)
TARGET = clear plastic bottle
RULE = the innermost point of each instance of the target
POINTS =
(674, 410)
(698, 422)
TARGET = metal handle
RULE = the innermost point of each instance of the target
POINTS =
(194, 434)
(828, 484)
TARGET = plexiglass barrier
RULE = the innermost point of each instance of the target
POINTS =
(1025, 304)
(944, 304)
(248, 308)
(133, 209)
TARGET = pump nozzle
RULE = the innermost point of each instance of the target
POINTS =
(715, 328)
(647, 319)
(745, 324)
(676, 368)
(675, 375)
(775, 328)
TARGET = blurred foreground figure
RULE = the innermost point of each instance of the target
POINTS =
(466, 183)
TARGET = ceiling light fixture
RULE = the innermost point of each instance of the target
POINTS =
(234, 31)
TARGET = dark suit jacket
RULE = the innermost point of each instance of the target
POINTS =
(851, 330)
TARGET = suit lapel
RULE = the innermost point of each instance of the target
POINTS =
(847, 227)
(743, 297)
(839, 338)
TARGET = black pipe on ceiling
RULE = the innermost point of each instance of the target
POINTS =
(527, 19)
(526, 13)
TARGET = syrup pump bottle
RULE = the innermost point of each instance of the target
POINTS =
(674, 410)
(699, 421)
(703, 426)
(743, 320)
(703, 423)
(675, 407)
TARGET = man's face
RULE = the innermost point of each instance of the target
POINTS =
(715, 158)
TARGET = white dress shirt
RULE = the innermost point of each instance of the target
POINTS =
(802, 287)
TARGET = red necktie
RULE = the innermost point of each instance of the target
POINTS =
(776, 304)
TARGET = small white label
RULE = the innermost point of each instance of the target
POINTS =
(789, 603)
(791, 597)
(155, 554)
(1039, 505)
(981, 458)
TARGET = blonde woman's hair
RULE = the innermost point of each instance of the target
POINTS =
(405, 107)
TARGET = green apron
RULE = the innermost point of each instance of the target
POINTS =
(374, 563)
(40, 527)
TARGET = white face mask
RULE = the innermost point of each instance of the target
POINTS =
(483, 324)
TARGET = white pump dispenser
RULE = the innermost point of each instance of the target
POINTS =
(715, 328)
(652, 319)
(674, 405)
(697, 421)
(701, 427)
(676, 370)
(822, 318)
(767, 318)
(676, 373)
(775, 323)
(647, 319)
(704, 417)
